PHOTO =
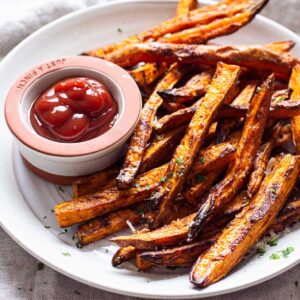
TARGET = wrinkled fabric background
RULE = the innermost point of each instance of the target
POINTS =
(19, 274)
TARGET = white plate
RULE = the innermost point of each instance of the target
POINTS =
(26, 200)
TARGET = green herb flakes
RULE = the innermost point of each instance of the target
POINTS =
(202, 160)
(78, 245)
(60, 188)
(275, 256)
(40, 266)
(200, 178)
(163, 179)
(273, 242)
(119, 30)
(285, 253)
(66, 254)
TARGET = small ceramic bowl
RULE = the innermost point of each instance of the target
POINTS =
(63, 162)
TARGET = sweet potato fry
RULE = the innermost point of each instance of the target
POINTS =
(90, 206)
(281, 47)
(216, 28)
(252, 57)
(101, 227)
(172, 107)
(242, 165)
(161, 149)
(245, 96)
(213, 157)
(201, 184)
(223, 82)
(281, 108)
(197, 86)
(93, 183)
(278, 110)
(224, 128)
(143, 130)
(260, 165)
(148, 73)
(248, 226)
(178, 118)
(203, 15)
(289, 215)
(294, 85)
(185, 6)
(180, 256)
(123, 254)
(96, 204)
(186, 255)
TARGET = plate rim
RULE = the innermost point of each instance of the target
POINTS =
(56, 264)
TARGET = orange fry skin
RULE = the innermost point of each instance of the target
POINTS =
(123, 254)
(185, 6)
(216, 28)
(242, 165)
(203, 15)
(101, 227)
(161, 149)
(294, 85)
(222, 85)
(143, 130)
(252, 57)
(248, 226)
(197, 86)
(90, 206)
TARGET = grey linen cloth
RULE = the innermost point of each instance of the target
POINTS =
(21, 275)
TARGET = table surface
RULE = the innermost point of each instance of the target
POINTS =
(22, 278)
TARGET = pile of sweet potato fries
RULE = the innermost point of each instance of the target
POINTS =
(210, 168)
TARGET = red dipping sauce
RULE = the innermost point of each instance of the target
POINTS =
(74, 110)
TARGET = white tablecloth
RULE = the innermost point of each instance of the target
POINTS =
(21, 277)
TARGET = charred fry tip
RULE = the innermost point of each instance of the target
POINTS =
(167, 94)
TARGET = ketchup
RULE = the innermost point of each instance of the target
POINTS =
(74, 110)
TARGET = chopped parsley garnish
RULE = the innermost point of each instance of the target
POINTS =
(238, 60)
(45, 217)
(275, 256)
(163, 179)
(52, 210)
(148, 187)
(60, 188)
(119, 30)
(137, 185)
(261, 250)
(171, 174)
(40, 266)
(106, 250)
(66, 254)
(47, 226)
(282, 253)
(73, 237)
(78, 245)
(141, 212)
(273, 242)
(279, 99)
(200, 178)
(181, 171)
(285, 253)
(64, 231)
(202, 160)
(179, 161)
